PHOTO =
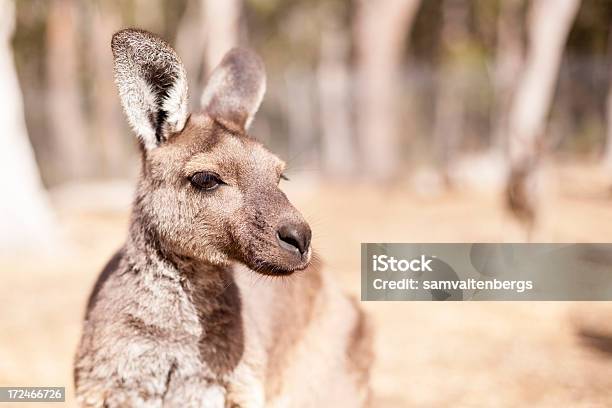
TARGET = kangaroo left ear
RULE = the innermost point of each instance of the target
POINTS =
(235, 88)
(152, 85)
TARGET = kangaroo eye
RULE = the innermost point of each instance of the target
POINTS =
(205, 180)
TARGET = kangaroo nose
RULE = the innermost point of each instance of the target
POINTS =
(294, 237)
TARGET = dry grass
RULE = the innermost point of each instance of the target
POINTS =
(429, 354)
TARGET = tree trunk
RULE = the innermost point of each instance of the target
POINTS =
(191, 31)
(549, 24)
(450, 110)
(333, 78)
(508, 65)
(607, 157)
(106, 121)
(214, 23)
(222, 29)
(381, 28)
(299, 100)
(149, 15)
(608, 149)
(65, 114)
(25, 214)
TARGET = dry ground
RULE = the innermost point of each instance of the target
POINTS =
(428, 354)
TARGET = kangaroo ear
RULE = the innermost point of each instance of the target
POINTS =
(152, 85)
(235, 88)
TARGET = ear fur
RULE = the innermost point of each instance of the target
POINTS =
(235, 88)
(152, 85)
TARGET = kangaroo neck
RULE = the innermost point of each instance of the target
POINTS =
(211, 289)
(147, 255)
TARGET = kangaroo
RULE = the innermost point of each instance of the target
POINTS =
(178, 317)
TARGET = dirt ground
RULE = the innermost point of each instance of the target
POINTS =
(428, 354)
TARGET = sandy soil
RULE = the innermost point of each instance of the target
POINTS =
(428, 354)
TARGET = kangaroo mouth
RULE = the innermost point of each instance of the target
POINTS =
(277, 269)
(275, 253)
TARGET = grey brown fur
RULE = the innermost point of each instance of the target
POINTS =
(179, 317)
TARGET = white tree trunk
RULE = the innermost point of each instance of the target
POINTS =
(508, 65)
(381, 28)
(25, 214)
(549, 24)
(334, 80)
(214, 23)
(64, 102)
(222, 29)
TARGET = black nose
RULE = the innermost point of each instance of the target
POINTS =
(294, 237)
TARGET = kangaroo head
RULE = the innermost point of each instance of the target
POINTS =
(207, 189)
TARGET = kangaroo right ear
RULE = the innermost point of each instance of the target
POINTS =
(152, 85)
(235, 88)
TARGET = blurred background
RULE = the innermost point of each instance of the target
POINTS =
(400, 120)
